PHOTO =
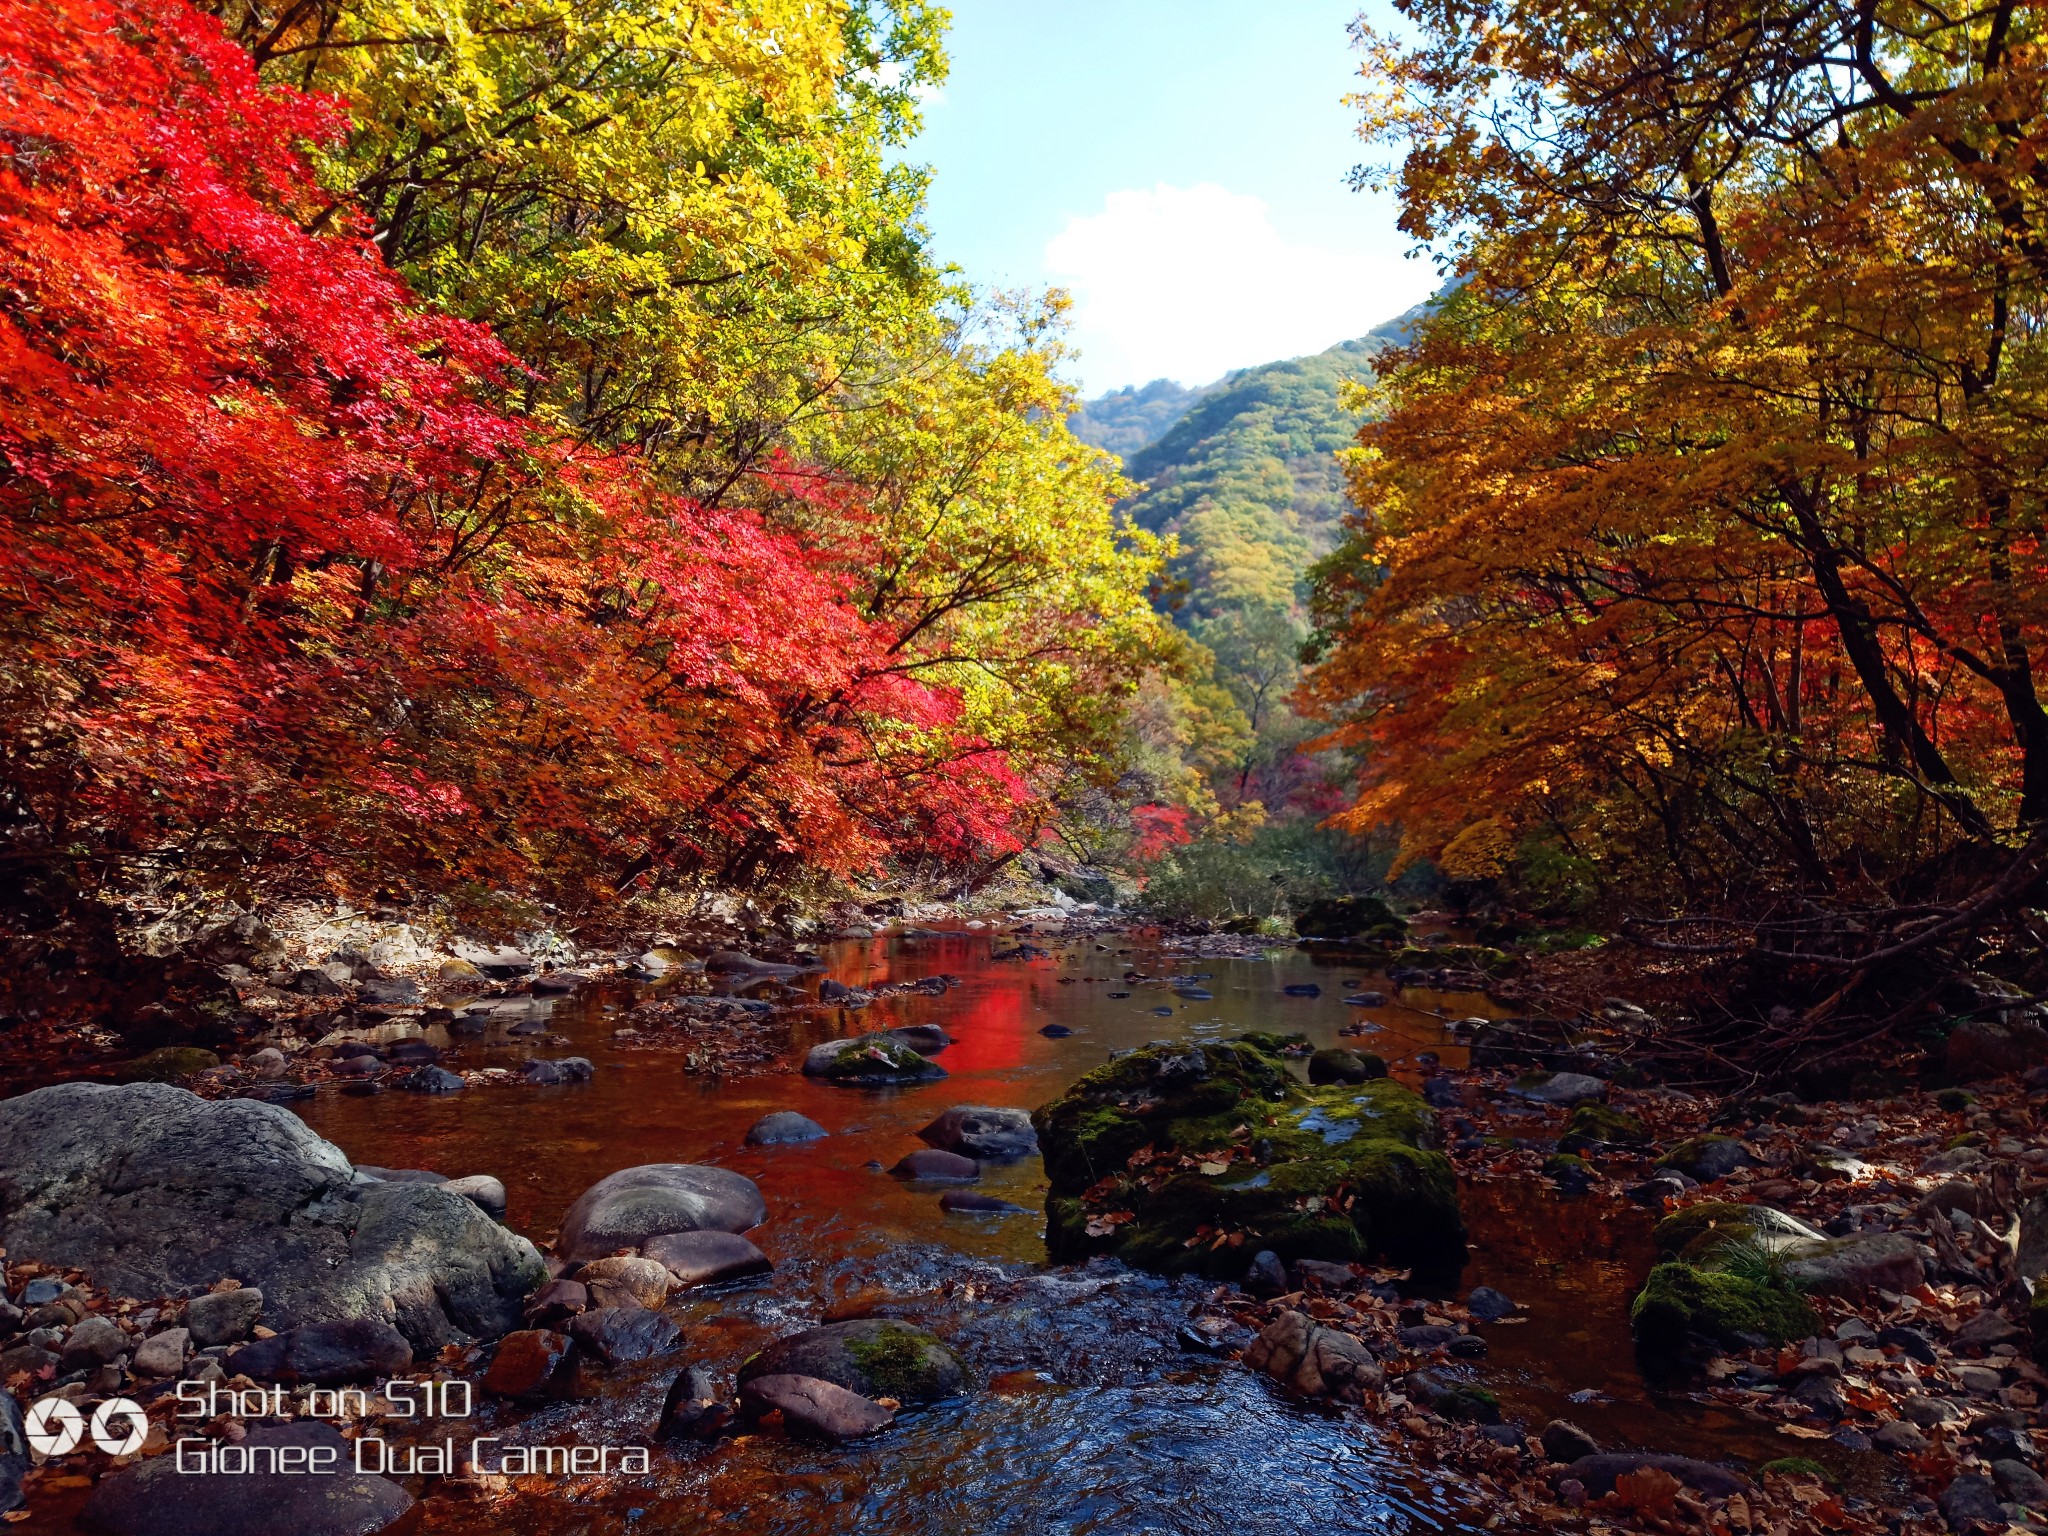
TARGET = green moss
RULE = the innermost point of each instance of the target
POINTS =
(1591, 1123)
(1677, 1232)
(1473, 1404)
(170, 1064)
(1331, 1172)
(1678, 1301)
(1345, 917)
(1955, 1100)
(897, 1363)
(1967, 1139)
(1277, 1045)
(1563, 1164)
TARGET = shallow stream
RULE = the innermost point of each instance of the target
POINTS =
(1091, 1418)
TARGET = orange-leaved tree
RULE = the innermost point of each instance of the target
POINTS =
(1701, 542)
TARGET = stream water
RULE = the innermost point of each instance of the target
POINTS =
(1091, 1419)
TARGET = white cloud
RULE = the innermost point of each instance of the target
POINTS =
(1188, 283)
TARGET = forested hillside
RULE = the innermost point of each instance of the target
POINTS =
(1245, 475)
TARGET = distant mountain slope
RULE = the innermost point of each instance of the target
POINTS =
(1127, 419)
(1247, 475)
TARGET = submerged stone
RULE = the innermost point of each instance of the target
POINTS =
(1195, 1158)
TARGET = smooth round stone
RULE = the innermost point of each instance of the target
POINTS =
(625, 1209)
(932, 1164)
(782, 1128)
(616, 1281)
(622, 1335)
(874, 1356)
(706, 1258)
(813, 1408)
(481, 1190)
(981, 1130)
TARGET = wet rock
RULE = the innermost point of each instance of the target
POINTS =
(932, 1165)
(402, 992)
(1367, 999)
(1372, 1140)
(156, 1191)
(1997, 1441)
(693, 1409)
(1559, 1088)
(706, 1258)
(324, 1354)
(1338, 1064)
(557, 1302)
(162, 1354)
(737, 962)
(2021, 1484)
(566, 1069)
(559, 983)
(1599, 1125)
(782, 1128)
(1856, 1266)
(1653, 1192)
(1700, 1230)
(95, 1342)
(1489, 1305)
(1302, 989)
(1679, 1302)
(925, 1039)
(154, 1498)
(500, 962)
(1267, 1276)
(870, 1061)
(1910, 1342)
(625, 1209)
(621, 1335)
(1972, 1501)
(1927, 1412)
(315, 981)
(1900, 1438)
(1987, 1328)
(1313, 1360)
(1331, 1277)
(431, 1080)
(967, 1202)
(983, 1131)
(1597, 1473)
(482, 1191)
(1564, 1441)
(1979, 1048)
(1447, 1399)
(1708, 1158)
(623, 1281)
(876, 1357)
(1060, 1031)
(532, 1364)
(813, 1408)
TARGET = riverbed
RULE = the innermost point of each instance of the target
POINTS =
(1091, 1417)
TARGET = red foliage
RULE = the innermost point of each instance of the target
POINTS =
(284, 583)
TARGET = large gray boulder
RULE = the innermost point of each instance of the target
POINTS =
(625, 1209)
(154, 1190)
(154, 1498)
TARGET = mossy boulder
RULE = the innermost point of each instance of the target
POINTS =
(1697, 1231)
(874, 1356)
(169, 1064)
(1350, 917)
(1707, 1158)
(1337, 1064)
(1194, 1158)
(1679, 1302)
(1593, 1125)
(870, 1061)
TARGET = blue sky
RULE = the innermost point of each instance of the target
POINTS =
(1178, 166)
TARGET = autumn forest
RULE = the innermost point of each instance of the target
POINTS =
(619, 792)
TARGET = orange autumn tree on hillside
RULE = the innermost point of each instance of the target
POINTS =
(1701, 554)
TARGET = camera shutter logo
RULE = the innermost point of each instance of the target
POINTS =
(54, 1426)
